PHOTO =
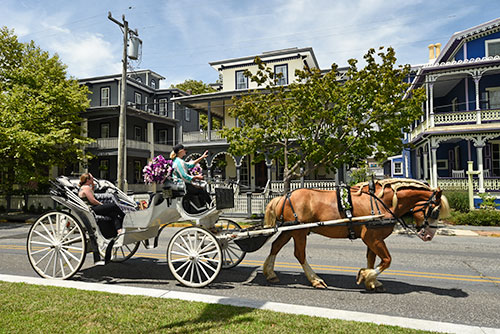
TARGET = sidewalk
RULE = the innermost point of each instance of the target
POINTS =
(380, 319)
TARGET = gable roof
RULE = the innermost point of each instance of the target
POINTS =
(459, 38)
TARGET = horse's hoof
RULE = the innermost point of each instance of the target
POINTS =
(319, 284)
(360, 277)
(273, 280)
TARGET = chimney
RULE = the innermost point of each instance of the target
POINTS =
(438, 49)
(431, 52)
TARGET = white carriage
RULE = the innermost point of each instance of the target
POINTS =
(59, 241)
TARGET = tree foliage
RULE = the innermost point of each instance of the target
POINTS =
(39, 113)
(199, 87)
(321, 119)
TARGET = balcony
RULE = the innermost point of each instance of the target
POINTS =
(112, 143)
(202, 136)
(458, 118)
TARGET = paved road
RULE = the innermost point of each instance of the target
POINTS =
(451, 279)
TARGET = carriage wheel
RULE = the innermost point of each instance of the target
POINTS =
(120, 254)
(56, 245)
(232, 255)
(194, 257)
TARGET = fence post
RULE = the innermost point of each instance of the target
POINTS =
(249, 204)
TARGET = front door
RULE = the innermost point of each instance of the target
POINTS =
(260, 175)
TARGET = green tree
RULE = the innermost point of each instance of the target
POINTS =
(322, 120)
(39, 113)
(199, 87)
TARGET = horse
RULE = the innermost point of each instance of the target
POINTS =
(392, 198)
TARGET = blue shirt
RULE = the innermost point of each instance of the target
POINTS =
(181, 170)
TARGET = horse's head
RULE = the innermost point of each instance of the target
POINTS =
(426, 212)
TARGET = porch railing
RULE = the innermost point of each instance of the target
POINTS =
(278, 186)
(490, 184)
(201, 136)
(112, 143)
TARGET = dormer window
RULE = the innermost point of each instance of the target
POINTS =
(153, 84)
(138, 79)
(281, 73)
(493, 48)
(241, 80)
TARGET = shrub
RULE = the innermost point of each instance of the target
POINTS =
(3, 208)
(488, 201)
(479, 217)
(458, 200)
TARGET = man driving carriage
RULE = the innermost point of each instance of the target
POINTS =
(181, 172)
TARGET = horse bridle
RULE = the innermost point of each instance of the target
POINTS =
(429, 211)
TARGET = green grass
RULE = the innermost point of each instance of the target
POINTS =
(28, 308)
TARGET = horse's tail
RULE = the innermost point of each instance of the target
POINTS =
(270, 216)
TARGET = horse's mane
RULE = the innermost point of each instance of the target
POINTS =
(395, 185)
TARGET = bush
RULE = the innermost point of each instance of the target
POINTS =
(480, 217)
(488, 201)
(458, 200)
(3, 208)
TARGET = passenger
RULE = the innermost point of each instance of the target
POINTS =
(181, 171)
(111, 210)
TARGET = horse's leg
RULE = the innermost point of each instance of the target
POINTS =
(268, 267)
(377, 247)
(300, 240)
(370, 258)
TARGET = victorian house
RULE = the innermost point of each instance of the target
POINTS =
(153, 124)
(460, 120)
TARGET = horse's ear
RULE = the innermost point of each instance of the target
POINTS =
(439, 192)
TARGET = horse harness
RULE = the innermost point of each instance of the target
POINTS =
(345, 207)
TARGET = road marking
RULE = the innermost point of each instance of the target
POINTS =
(289, 265)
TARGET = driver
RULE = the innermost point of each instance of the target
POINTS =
(181, 172)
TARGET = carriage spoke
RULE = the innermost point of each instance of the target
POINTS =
(61, 264)
(210, 252)
(72, 240)
(179, 253)
(208, 266)
(40, 250)
(69, 233)
(51, 226)
(182, 248)
(79, 249)
(201, 243)
(69, 254)
(55, 264)
(187, 269)
(47, 231)
(68, 261)
(188, 247)
(41, 243)
(44, 237)
(179, 260)
(43, 257)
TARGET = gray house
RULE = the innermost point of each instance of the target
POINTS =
(153, 124)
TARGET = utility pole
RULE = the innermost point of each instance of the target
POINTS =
(123, 104)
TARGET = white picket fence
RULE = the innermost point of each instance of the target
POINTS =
(278, 186)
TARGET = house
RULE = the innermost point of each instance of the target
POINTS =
(252, 176)
(460, 120)
(153, 124)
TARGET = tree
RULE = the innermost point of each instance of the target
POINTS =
(39, 113)
(320, 120)
(199, 87)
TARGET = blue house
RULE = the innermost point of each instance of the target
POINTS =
(460, 120)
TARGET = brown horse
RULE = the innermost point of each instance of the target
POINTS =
(393, 198)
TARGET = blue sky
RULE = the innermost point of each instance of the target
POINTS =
(181, 37)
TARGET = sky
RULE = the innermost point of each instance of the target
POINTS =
(181, 37)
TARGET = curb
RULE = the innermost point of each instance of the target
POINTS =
(379, 319)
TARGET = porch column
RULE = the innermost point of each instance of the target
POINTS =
(427, 106)
(209, 121)
(426, 165)
(418, 171)
(84, 166)
(478, 105)
(479, 151)
(434, 167)
(174, 128)
(431, 104)
(151, 142)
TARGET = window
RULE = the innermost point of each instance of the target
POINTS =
(398, 168)
(104, 169)
(162, 137)
(138, 99)
(495, 158)
(493, 96)
(138, 133)
(105, 130)
(138, 79)
(281, 73)
(245, 172)
(442, 164)
(187, 114)
(153, 84)
(492, 47)
(105, 96)
(241, 80)
(161, 106)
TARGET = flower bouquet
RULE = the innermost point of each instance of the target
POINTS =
(158, 170)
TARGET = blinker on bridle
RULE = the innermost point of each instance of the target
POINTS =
(429, 211)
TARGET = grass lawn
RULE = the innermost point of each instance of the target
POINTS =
(41, 309)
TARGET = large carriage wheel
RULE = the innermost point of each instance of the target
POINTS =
(232, 255)
(56, 245)
(194, 256)
(120, 253)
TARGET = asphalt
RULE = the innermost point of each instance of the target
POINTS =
(266, 305)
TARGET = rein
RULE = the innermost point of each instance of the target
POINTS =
(426, 208)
